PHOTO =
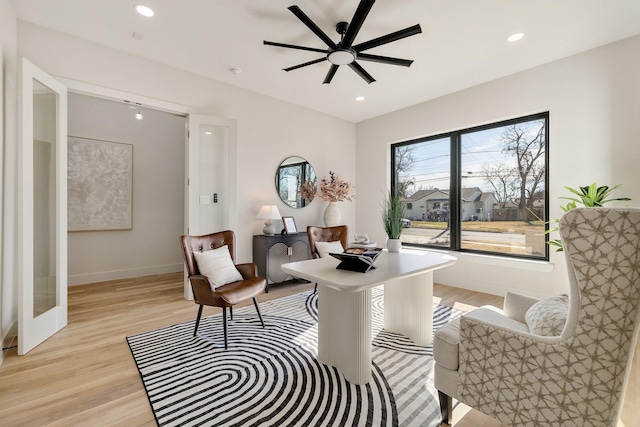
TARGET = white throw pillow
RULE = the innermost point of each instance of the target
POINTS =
(218, 266)
(547, 317)
(324, 248)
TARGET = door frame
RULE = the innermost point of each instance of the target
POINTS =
(174, 108)
(195, 120)
(192, 182)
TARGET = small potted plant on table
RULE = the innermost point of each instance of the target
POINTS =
(392, 216)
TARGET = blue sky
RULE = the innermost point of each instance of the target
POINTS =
(480, 149)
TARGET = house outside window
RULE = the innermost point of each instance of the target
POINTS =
(485, 188)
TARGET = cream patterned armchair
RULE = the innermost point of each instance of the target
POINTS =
(499, 363)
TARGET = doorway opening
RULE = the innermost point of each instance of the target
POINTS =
(121, 227)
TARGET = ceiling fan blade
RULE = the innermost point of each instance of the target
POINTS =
(361, 72)
(330, 74)
(385, 60)
(407, 32)
(356, 22)
(292, 46)
(315, 61)
(312, 26)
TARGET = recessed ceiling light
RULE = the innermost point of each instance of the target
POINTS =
(208, 133)
(144, 10)
(515, 37)
(359, 98)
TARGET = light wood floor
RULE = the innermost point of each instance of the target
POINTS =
(85, 375)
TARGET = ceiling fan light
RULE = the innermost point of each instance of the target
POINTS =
(342, 56)
(144, 10)
(515, 37)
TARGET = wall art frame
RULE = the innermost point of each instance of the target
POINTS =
(289, 225)
(99, 184)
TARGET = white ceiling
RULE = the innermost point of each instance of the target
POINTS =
(463, 42)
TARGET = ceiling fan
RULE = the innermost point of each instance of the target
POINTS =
(345, 52)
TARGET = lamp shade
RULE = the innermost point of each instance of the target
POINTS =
(269, 212)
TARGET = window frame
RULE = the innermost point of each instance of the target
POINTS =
(455, 184)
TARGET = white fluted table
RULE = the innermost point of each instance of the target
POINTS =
(344, 305)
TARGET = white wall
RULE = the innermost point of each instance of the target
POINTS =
(268, 130)
(594, 104)
(151, 246)
(592, 99)
(8, 290)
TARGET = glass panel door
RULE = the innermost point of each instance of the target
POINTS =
(44, 198)
(43, 208)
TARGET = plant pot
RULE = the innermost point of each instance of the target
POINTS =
(332, 215)
(394, 245)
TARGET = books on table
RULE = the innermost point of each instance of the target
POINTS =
(357, 259)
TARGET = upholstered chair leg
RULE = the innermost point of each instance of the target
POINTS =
(258, 310)
(446, 408)
(231, 313)
(198, 319)
(224, 323)
(315, 288)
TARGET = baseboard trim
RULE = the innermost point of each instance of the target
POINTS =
(477, 285)
(103, 276)
(9, 338)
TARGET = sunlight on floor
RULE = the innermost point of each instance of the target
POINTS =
(464, 307)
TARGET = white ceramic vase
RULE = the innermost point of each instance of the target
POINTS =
(394, 245)
(332, 215)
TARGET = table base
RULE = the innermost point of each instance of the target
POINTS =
(344, 332)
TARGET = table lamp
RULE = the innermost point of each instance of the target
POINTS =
(269, 212)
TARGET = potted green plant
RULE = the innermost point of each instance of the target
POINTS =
(590, 196)
(392, 216)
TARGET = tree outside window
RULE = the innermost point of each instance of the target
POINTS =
(485, 188)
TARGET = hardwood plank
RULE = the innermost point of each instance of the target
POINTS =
(85, 375)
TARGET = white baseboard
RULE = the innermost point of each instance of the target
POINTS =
(477, 285)
(9, 338)
(103, 276)
(442, 277)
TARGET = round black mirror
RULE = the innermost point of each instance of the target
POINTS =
(296, 182)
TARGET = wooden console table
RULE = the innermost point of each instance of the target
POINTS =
(270, 252)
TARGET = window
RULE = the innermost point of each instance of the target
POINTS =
(409, 205)
(484, 188)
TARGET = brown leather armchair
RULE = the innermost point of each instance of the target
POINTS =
(225, 296)
(326, 234)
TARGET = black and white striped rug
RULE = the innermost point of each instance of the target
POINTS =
(271, 377)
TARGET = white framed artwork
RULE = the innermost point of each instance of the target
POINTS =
(100, 184)
(289, 224)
